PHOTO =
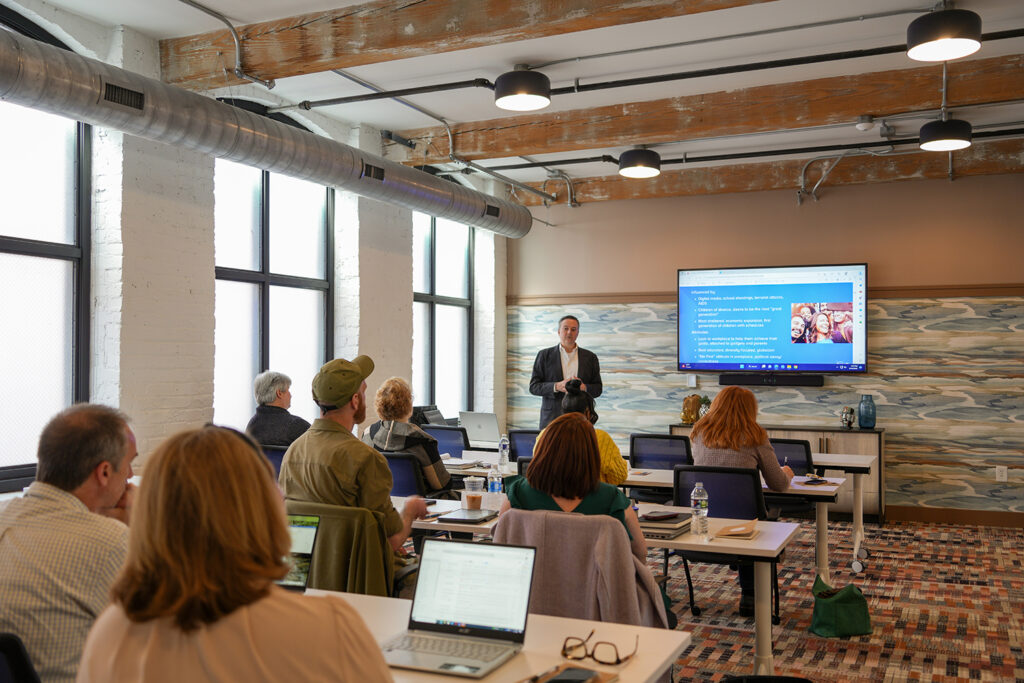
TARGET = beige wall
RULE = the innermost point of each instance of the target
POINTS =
(917, 233)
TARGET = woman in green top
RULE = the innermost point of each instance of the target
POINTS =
(564, 474)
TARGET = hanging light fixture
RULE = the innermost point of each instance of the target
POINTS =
(944, 34)
(945, 136)
(522, 89)
(639, 163)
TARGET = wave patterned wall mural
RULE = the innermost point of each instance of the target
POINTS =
(947, 376)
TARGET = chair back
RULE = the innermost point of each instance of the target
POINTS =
(733, 492)
(523, 464)
(406, 474)
(659, 451)
(578, 557)
(450, 440)
(521, 442)
(275, 454)
(794, 452)
(15, 665)
(352, 553)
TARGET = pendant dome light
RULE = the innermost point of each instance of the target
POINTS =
(943, 35)
(639, 163)
(945, 136)
(522, 90)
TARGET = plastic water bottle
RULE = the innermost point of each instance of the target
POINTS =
(503, 450)
(699, 516)
(494, 479)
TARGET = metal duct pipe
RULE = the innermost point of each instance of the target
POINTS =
(44, 77)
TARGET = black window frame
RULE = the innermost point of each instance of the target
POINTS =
(264, 278)
(79, 253)
(433, 299)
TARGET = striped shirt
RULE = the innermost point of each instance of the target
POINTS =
(57, 563)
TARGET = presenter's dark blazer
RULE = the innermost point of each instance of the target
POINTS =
(547, 371)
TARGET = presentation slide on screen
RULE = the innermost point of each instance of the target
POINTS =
(756, 325)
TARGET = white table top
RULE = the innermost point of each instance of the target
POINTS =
(434, 524)
(663, 479)
(658, 649)
(769, 541)
(852, 463)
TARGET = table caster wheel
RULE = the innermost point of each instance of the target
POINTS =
(857, 566)
(863, 553)
(695, 611)
(776, 620)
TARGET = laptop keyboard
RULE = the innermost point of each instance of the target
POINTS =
(450, 647)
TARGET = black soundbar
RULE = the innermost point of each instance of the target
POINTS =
(771, 380)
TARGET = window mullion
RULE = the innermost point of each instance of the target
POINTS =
(264, 296)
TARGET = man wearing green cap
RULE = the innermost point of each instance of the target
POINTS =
(328, 464)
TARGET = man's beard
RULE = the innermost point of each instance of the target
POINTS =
(360, 415)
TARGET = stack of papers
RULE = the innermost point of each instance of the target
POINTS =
(458, 464)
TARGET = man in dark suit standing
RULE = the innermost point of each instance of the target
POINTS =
(559, 364)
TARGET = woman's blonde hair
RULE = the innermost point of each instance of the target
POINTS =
(393, 400)
(208, 531)
(731, 422)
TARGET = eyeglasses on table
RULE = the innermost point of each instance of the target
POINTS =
(601, 652)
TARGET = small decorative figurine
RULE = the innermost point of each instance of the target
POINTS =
(705, 406)
(847, 416)
(691, 409)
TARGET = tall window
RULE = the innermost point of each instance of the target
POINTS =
(44, 272)
(442, 314)
(274, 256)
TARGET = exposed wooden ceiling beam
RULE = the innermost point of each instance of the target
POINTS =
(386, 30)
(991, 157)
(751, 110)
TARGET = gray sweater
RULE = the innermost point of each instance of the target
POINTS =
(761, 457)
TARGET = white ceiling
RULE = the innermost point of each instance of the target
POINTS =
(171, 18)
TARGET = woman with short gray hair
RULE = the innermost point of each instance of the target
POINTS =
(273, 425)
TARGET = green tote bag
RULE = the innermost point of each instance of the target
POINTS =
(839, 612)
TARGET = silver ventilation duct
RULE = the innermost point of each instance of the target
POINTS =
(44, 77)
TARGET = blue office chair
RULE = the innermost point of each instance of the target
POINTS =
(406, 475)
(657, 452)
(797, 454)
(733, 492)
(275, 454)
(15, 664)
(521, 442)
(450, 440)
(522, 464)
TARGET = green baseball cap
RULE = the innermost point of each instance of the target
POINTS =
(339, 380)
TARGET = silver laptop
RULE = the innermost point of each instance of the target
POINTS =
(468, 613)
(481, 428)
(303, 530)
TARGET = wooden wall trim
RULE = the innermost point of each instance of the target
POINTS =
(911, 292)
(908, 513)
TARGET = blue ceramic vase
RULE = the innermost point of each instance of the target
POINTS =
(866, 412)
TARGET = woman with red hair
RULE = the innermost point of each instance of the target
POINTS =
(729, 436)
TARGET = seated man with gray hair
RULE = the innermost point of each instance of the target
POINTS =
(273, 425)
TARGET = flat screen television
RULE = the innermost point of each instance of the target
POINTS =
(789, 319)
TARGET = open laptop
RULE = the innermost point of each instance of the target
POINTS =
(303, 529)
(468, 613)
(481, 428)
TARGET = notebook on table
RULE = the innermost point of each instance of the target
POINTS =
(468, 613)
(481, 428)
(303, 530)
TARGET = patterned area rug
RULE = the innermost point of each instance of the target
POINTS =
(946, 603)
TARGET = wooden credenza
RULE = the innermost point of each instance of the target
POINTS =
(836, 440)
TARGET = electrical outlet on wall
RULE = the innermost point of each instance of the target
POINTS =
(1000, 472)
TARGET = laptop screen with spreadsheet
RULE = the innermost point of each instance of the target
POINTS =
(480, 589)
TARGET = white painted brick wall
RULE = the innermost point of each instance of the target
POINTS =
(153, 263)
